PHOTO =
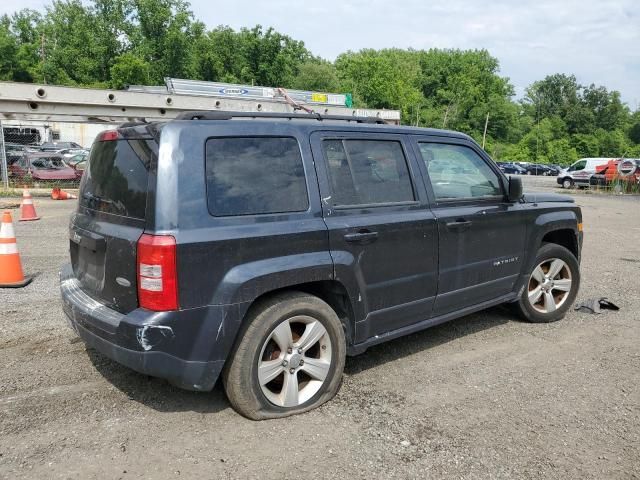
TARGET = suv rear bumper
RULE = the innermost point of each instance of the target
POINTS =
(159, 344)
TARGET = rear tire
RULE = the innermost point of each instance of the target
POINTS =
(552, 286)
(289, 359)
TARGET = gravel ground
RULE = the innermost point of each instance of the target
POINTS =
(486, 396)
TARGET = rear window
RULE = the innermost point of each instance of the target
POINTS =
(255, 175)
(115, 180)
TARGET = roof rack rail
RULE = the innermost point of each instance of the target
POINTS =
(223, 115)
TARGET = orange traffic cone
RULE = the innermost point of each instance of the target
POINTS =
(11, 274)
(27, 209)
(58, 194)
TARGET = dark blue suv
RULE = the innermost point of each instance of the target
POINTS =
(264, 248)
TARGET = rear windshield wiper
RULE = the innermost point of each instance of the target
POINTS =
(93, 199)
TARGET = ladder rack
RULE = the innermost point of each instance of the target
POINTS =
(27, 101)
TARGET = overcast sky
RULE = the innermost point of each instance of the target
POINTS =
(597, 40)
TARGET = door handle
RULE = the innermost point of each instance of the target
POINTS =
(460, 224)
(362, 237)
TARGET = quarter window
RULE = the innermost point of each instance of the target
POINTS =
(255, 175)
(365, 172)
(457, 172)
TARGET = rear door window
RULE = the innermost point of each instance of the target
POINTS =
(116, 178)
(368, 172)
(255, 175)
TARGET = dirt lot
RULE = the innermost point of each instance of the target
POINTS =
(486, 396)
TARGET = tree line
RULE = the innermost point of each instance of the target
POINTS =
(114, 43)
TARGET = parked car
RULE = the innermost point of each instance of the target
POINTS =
(71, 152)
(537, 169)
(266, 247)
(14, 152)
(553, 170)
(56, 146)
(511, 168)
(42, 166)
(579, 172)
(78, 162)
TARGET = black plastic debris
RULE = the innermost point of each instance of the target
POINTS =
(596, 305)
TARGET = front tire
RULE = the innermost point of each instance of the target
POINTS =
(552, 286)
(567, 183)
(288, 360)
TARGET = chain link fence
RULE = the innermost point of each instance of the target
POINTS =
(41, 156)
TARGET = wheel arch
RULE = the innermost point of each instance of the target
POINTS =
(564, 237)
(559, 227)
(333, 292)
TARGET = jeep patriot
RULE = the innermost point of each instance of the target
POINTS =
(264, 248)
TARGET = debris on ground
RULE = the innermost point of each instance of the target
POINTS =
(596, 305)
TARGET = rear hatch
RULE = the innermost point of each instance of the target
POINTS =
(112, 215)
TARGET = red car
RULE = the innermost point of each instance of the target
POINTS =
(43, 167)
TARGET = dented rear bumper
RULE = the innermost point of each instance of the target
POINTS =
(186, 347)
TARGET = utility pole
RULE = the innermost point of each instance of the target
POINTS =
(42, 58)
(484, 135)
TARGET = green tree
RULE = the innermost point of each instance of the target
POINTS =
(586, 144)
(317, 75)
(613, 143)
(8, 49)
(461, 87)
(26, 28)
(634, 129)
(69, 46)
(606, 108)
(164, 37)
(270, 58)
(382, 79)
(217, 56)
(129, 69)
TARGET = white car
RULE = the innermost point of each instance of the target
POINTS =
(579, 172)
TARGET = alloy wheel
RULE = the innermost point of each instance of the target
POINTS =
(294, 361)
(549, 285)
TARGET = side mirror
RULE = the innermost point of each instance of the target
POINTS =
(515, 189)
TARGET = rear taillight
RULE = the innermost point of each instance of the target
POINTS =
(157, 272)
(108, 136)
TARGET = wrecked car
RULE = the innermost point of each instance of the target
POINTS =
(262, 249)
(42, 167)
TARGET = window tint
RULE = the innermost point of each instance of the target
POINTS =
(456, 171)
(255, 175)
(367, 172)
(116, 178)
(578, 166)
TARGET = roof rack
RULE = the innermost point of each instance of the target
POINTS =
(221, 115)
